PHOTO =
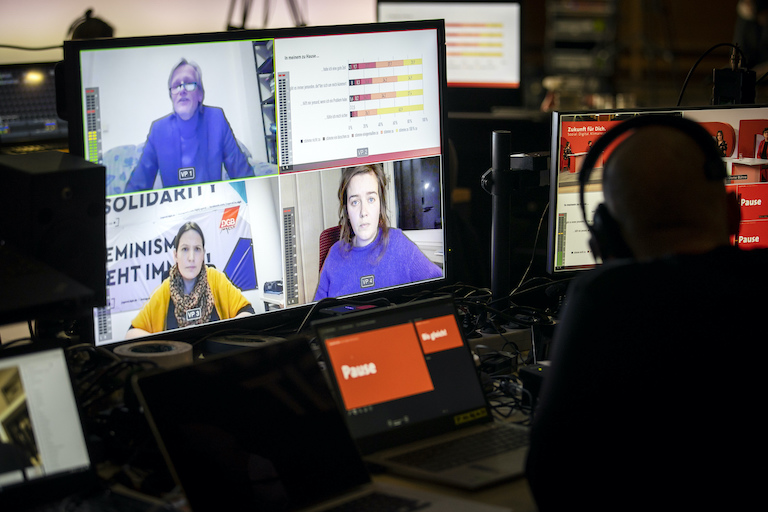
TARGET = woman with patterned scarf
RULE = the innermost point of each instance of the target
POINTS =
(193, 293)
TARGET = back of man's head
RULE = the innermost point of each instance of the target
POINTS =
(656, 188)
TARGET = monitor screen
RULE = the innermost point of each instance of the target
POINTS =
(227, 152)
(739, 131)
(483, 42)
(28, 105)
(43, 450)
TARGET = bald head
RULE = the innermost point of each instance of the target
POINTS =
(656, 188)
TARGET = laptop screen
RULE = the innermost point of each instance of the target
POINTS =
(402, 373)
(43, 453)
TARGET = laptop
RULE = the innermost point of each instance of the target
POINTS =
(45, 458)
(258, 429)
(43, 452)
(411, 395)
(28, 118)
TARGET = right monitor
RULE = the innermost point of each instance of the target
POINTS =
(741, 132)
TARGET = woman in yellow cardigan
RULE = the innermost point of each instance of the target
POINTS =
(193, 293)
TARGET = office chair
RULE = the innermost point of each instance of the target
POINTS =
(328, 237)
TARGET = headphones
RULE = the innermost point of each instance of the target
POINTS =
(606, 240)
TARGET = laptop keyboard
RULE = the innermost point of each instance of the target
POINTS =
(458, 452)
(381, 502)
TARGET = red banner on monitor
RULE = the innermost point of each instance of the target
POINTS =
(438, 334)
(379, 365)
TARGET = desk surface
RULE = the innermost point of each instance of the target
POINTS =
(746, 161)
(515, 494)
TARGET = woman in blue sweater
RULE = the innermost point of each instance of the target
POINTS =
(369, 254)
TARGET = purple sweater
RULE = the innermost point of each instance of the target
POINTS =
(213, 143)
(356, 270)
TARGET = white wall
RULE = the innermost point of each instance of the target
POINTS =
(39, 23)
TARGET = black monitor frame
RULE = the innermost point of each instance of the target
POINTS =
(288, 320)
(560, 176)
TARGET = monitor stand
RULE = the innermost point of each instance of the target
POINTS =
(506, 179)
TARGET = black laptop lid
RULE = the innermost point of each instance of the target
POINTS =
(402, 373)
(33, 289)
(253, 430)
(43, 450)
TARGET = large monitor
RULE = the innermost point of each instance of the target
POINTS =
(483, 53)
(248, 138)
(738, 129)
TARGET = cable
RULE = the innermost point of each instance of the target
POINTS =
(695, 65)
(533, 251)
(7, 344)
(31, 48)
(508, 393)
(544, 285)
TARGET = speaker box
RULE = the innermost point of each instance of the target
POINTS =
(52, 209)
(733, 86)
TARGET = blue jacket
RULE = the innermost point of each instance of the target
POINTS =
(216, 145)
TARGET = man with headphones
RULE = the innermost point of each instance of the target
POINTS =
(651, 398)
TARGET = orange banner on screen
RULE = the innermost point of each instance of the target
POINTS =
(438, 334)
(379, 365)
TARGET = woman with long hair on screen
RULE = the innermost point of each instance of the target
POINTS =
(193, 293)
(369, 254)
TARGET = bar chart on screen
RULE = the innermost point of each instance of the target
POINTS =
(482, 53)
(482, 39)
(400, 88)
(382, 103)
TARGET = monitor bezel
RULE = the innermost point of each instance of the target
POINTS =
(287, 321)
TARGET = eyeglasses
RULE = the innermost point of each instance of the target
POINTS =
(191, 86)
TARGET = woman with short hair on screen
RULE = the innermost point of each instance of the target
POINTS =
(192, 294)
(369, 254)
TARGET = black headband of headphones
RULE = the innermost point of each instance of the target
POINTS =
(714, 168)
